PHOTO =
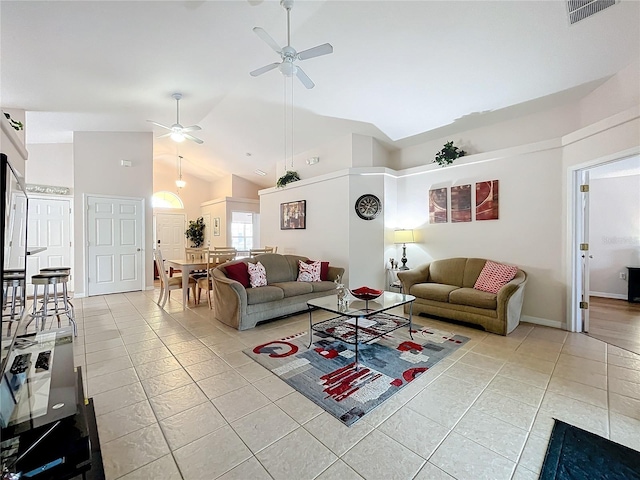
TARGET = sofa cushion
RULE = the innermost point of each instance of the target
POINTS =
(291, 289)
(324, 270)
(433, 291)
(308, 272)
(323, 286)
(257, 275)
(447, 272)
(238, 271)
(278, 268)
(264, 294)
(472, 271)
(494, 276)
(473, 298)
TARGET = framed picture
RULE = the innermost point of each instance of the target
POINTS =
(438, 206)
(487, 200)
(216, 227)
(461, 203)
(293, 215)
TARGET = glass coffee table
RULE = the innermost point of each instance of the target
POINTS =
(360, 321)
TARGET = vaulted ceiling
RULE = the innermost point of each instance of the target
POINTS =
(398, 68)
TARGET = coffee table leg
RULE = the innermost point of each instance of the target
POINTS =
(310, 329)
(410, 318)
(357, 343)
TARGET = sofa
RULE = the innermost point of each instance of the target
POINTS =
(445, 288)
(243, 307)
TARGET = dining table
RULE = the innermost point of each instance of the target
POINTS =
(187, 266)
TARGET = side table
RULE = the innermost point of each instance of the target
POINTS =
(392, 279)
(633, 293)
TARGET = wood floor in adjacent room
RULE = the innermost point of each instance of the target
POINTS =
(616, 322)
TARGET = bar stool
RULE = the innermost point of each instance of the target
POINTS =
(66, 271)
(13, 281)
(54, 279)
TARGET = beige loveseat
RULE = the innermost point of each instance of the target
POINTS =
(242, 308)
(444, 288)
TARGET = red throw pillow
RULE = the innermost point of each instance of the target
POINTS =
(494, 276)
(238, 272)
(324, 270)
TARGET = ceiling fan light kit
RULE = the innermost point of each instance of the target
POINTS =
(177, 132)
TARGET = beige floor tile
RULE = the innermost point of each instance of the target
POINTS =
(575, 412)
(525, 375)
(251, 469)
(579, 391)
(414, 431)
(125, 420)
(586, 365)
(273, 387)
(491, 365)
(431, 472)
(222, 383)
(118, 398)
(625, 430)
(108, 366)
(157, 367)
(621, 352)
(102, 355)
(532, 363)
(477, 462)
(152, 355)
(579, 375)
(623, 387)
(110, 334)
(143, 346)
(191, 424)
(240, 402)
(339, 471)
(195, 356)
(184, 346)
(334, 434)
(549, 334)
(471, 374)
(623, 373)
(533, 453)
(139, 337)
(107, 382)
(624, 405)
(208, 368)
(263, 427)
(297, 455)
(392, 459)
(164, 467)
(165, 382)
(138, 328)
(299, 407)
(104, 345)
(212, 455)
(237, 358)
(516, 390)
(132, 451)
(177, 400)
(493, 351)
(522, 473)
(228, 347)
(493, 433)
(215, 337)
(512, 411)
(627, 362)
(599, 353)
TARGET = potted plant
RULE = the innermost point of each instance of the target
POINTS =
(448, 154)
(14, 123)
(288, 177)
(195, 232)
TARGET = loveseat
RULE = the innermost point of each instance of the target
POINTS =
(445, 288)
(242, 307)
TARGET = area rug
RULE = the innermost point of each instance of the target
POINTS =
(575, 454)
(326, 373)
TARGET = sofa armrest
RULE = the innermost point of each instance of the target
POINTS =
(333, 273)
(230, 300)
(416, 275)
(509, 299)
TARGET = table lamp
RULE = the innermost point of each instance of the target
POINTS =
(403, 237)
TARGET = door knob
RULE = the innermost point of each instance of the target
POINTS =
(138, 249)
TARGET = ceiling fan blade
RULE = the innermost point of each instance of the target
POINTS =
(194, 139)
(264, 69)
(159, 124)
(306, 81)
(192, 128)
(165, 135)
(323, 49)
(266, 38)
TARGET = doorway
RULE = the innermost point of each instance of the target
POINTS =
(169, 234)
(115, 236)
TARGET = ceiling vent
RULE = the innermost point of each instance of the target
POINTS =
(581, 9)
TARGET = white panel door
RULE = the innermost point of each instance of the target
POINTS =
(208, 228)
(50, 227)
(170, 238)
(14, 251)
(114, 245)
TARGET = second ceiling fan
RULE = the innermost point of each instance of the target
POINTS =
(288, 54)
(177, 132)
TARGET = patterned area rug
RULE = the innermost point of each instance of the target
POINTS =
(326, 373)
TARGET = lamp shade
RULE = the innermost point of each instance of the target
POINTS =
(403, 236)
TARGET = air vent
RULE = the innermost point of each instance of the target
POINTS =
(581, 9)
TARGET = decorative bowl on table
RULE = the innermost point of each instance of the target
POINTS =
(366, 293)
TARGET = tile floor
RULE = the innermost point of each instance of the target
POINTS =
(176, 398)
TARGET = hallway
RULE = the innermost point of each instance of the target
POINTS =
(616, 322)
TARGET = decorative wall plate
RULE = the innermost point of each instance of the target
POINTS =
(368, 206)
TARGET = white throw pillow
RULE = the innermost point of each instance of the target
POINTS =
(309, 272)
(257, 274)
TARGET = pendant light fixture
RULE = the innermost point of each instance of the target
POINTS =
(180, 183)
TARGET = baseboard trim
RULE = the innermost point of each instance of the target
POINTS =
(617, 296)
(542, 321)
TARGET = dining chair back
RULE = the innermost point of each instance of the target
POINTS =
(168, 283)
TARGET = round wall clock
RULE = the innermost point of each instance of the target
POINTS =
(368, 207)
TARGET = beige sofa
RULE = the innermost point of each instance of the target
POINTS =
(444, 288)
(243, 308)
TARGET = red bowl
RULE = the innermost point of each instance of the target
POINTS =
(366, 293)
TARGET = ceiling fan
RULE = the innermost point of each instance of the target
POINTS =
(288, 54)
(178, 133)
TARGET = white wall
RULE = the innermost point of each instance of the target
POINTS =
(242, 188)
(614, 233)
(196, 191)
(50, 164)
(97, 170)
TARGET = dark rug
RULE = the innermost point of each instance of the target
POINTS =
(575, 454)
(326, 374)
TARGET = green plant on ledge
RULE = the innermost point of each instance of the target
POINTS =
(448, 154)
(14, 123)
(195, 232)
(288, 177)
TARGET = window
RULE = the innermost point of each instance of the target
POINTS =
(166, 200)
(242, 231)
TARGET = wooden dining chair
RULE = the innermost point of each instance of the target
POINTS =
(214, 258)
(169, 283)
(259, 251)
(196, 255)
(273, 249)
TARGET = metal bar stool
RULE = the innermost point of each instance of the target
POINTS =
(54, 279)
(65, 293)
(14, 282)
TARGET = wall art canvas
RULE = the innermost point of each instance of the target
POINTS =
(293, 215)
(438, 206)
(487, 200)
(216, 227)
(461, 203)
